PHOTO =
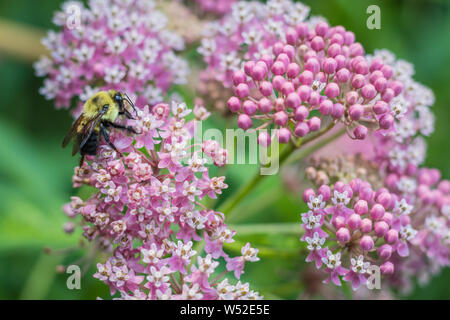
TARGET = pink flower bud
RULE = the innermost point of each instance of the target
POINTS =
(249, 107)
(361, 207)
(388, 95)
(325, 191)
(244, 121)
(334, 49)
(355, 49)
(268, 60)
(283, 57)
(259, 72)
(385, 251)
(234, 104)
(278, 82)
(338, 222)
(278, 68)
(387, 71)
(239, 77)
(242, 90)
(366, 225)
(343, 235)
(317, 43)
(368, 92)
(306, 78)
(287, 88)
(304, 92)
(341, 61)
(349, 37)
(314, 99)
(381, 228)
(293, 70)
(332, 90)
(314, 124)
(312, 65)
(354, 221)
(358, 81)
(301, 129)
(278, 48)
(289, 50)
(322, 28)
(302, 29)
(376, 64)
(279, 104)
(338, 110)
(380, 84)
(366, 194)
(248, 67)
(307, 194)
(266, 88)
(386, 121)
(343, 75)
(356, 111)
(329, 65)
(387, 268)
(293, 100)
(388, 217)
(284, 135)
(384, 199)
(291, 36)
(351, 97)
(264, 105)
(366, 243)
(360, 132)
(391, 236)
(377, 211)
(326, 107)
(337, 38)
(362, 68)
(301, 113)
(380, 107)
(280, 118)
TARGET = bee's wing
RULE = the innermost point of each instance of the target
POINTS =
(72, 132)
(88, 128)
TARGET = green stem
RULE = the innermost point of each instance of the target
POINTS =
(236, 198)
(232, 201)
(304, 152)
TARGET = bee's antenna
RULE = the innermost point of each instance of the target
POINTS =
(131, 103)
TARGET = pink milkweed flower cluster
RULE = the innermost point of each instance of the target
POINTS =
(147, 210)
(314, 74)
(403, 227)
(246, 33)
(111, 44)
(351, 226)
(218, 7)
(402, 147)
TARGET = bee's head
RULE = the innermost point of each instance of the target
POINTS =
(119, 98)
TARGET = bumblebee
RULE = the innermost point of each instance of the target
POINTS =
(99, 114)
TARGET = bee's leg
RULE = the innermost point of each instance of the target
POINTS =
(127, 114)
(105, 135)
(119, 126)
(81, 161)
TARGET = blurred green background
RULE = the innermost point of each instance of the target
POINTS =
(35, 173)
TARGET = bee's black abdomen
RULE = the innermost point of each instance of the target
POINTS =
(91, 145)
